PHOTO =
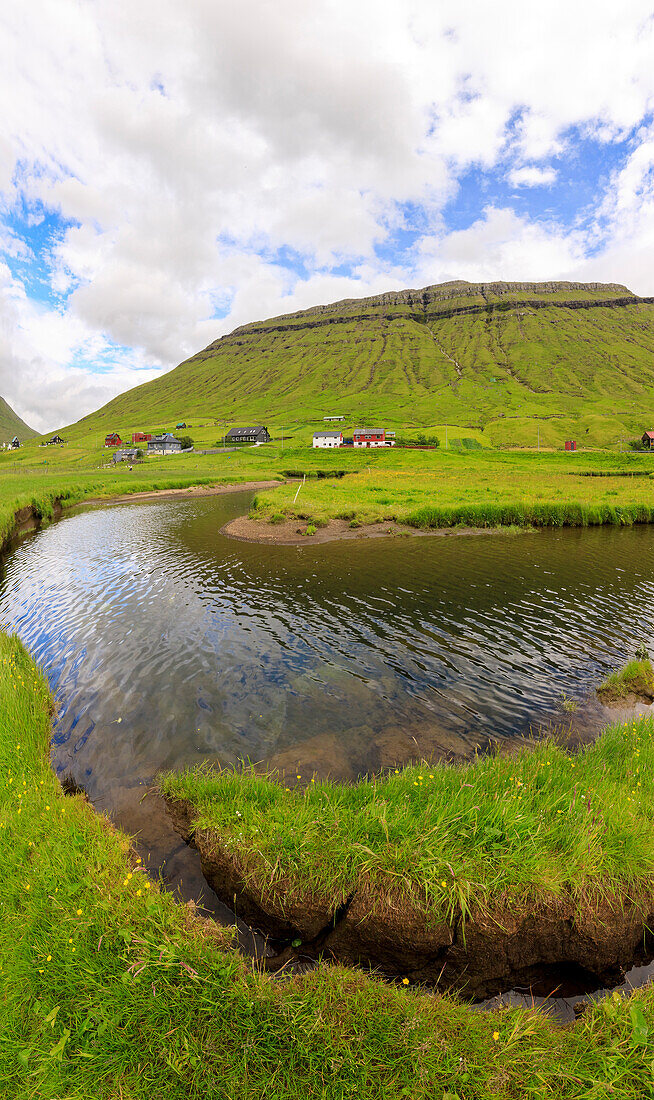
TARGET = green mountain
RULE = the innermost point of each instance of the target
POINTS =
(11, 424)
(493, 356)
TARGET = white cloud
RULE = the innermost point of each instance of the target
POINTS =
(531, 175)
(181, 140)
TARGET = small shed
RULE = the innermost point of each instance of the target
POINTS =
(571, 444)
(648, 440)
(178, 426)
(15, 443)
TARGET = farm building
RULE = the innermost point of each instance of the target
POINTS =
(141, 437)
(371, 437)
(648, 440)
(128, 455)
(257, 434)
(164, 444)
(113, 440)
(15, 443)
(571, 444)
(328, 439)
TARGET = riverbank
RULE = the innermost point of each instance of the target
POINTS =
(27, 503)
(479, 877)
(288, 533)
(438, 492)
(186, 493)
(111, 989)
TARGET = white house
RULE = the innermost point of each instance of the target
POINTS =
(328, 439)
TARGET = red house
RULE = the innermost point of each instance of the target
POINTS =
(113, 440)
(571, 444)
(648, 440)
(140, 437)
(370, 437)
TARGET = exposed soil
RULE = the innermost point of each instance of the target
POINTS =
(189, 492)
(293, 531)
(637, 690)
(27, 519)
(535, 944)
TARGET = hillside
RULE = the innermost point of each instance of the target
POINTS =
(11, 424)
(496, 356)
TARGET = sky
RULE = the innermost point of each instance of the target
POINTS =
(170, 170)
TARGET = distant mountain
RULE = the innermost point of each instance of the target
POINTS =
(494, 355)
(11, 424)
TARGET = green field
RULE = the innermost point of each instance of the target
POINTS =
(431, 489)
(112, 991)
(500, 363)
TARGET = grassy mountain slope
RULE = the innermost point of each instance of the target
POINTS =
(493, 356)
(11, 424)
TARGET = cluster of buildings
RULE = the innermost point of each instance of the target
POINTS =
(361, 437)
(167, 444)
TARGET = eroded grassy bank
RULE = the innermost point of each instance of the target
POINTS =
(474, 876)
(636, 678)
(112, 990)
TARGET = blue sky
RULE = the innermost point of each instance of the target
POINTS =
(170, 171)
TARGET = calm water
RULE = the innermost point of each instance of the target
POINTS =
(168, 644)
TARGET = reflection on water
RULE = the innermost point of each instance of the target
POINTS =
(168, 644)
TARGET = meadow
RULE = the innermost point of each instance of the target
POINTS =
(473, 488)
(112, 990)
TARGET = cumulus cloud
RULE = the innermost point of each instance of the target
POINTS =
(531, 175)
(210, 164)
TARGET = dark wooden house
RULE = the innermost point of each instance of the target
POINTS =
(256, 434)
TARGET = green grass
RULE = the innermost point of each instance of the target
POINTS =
(636, 678)
(497, 373)
(112, 991)
(477, 488)
(446, 840)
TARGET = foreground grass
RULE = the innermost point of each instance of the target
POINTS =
(444, 838)
(112, 990)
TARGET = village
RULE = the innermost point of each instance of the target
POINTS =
(166, 443)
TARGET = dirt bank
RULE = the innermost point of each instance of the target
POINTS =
(541, 943)
(27, 519)
(293, 531)
(187, 493)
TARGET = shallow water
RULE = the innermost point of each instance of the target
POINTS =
(168, 644)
